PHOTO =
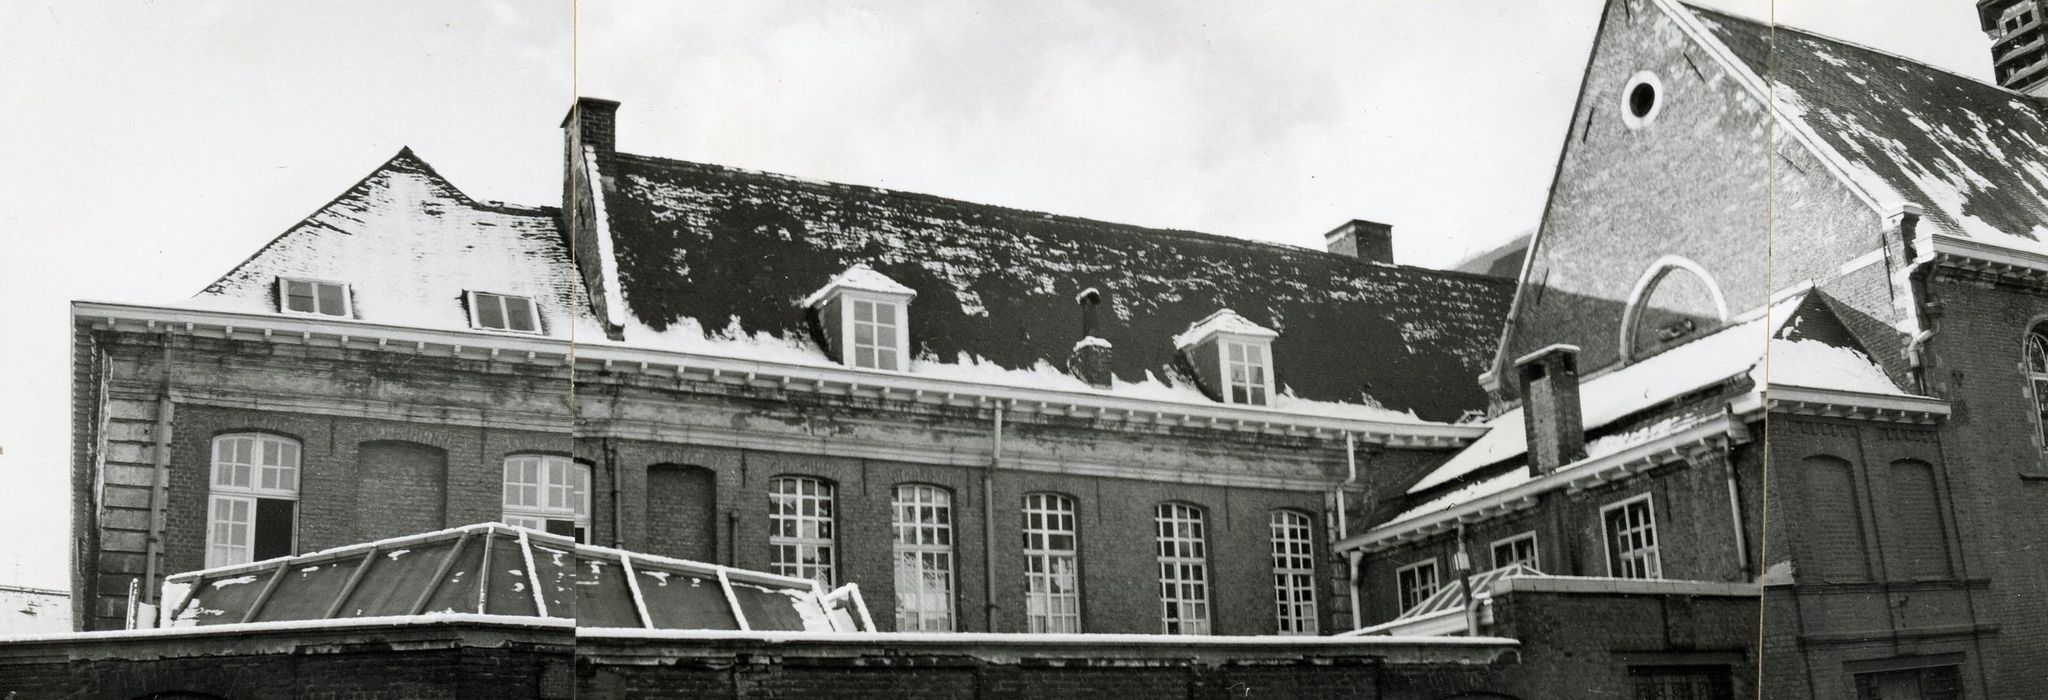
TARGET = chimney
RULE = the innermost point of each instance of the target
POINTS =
(587, 131)
(1090, 358)
(1555, 430)
(1365, 240)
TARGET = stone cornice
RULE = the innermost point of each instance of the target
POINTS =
(1954, 254)
(1854, 405)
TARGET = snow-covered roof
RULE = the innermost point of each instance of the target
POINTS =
(1223, 321)
(409, 244)
(1973, 155)
(1611, 396)
(860, 278)
(1813, 364)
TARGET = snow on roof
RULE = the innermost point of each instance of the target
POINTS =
(408, 244)
(858, 278)
(1606, 398)
(1222, 321)
(1974, 155)
(1813, 364)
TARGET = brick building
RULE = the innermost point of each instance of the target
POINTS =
(990, 419)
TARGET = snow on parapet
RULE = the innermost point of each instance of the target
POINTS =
(607, 260)
(1223, 321)
(860, 278)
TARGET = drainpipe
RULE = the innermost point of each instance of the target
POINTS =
(1344, 523)
(1735, 505)
(159, 480)
(988, 524)
(611, 468)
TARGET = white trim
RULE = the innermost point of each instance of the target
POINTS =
(1789, 398)
(1282, 525)
(348, 297)
(476, 319)
(1607, 549)
(1264, 346)
(1628, 115)
(1535, 550)
(848, 325)
(1052, 505)
(1651, 279)
(607, 260)
(1175, 569)
(936, 498)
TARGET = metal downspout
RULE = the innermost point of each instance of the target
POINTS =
(1344, 523)
(160, 480)
(988, 524)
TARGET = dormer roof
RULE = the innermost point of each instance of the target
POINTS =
(859, 278)
(1223, 322)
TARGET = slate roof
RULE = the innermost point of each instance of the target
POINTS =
(724, 248)
(1973, 155)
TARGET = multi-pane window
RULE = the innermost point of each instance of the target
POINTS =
(312, 297)
(1415, 583)
(1052, 594)
(2037, 378)
(502, 312)
(1183, 569)
(1683, 683)
(1929, 683)
(800, 528)
(1632, 539)
(1246, 375)
(924, 558)
(550, 493)
(1520, 549)
(252, 507)
(876, 326)
(1294, 573)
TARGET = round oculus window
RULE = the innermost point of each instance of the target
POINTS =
(1641, 100)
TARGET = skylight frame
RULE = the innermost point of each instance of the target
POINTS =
(476, 299)
(348, 297)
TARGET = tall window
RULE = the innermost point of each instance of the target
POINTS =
(1294, 572)
(2037, 377)
(1930, 683)
(1683, 683)
(252, 508)
(800, 528)
(1520, 549)
(550, 493)
(1248, 377)
(1631, 528)
(313, 297)
(1183, 569)
(924, 558)
(1052, 594)
(1416, 583)
(502, 312)
(1914, 527)
(875, 329)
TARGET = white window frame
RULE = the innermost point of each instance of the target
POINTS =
(560, 490)
(2035, 365)
(348, 297)
(1182, 548)
(922, 517)
(1405, 588)
(1535, 552)
(802, 542)
(1652, 555)
(849, 310)
(1294, 572)
(1225, 364)
(1052, 576)
(235, 484)
(477, 298)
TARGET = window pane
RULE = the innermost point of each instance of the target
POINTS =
(489, 311)
(330, 299)
(298, 296)
(519, 313)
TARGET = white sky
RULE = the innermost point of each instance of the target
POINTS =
(153, 145)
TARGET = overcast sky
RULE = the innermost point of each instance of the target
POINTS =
(152, 145)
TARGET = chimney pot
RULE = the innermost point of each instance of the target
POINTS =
(1365, 240)
(1552, 421)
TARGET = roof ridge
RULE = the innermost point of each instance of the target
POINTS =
(1775, 27)
(1182, 234)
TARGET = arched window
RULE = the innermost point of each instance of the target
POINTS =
(800, 528)
(252, 510)
(1052, 593)
(1673, 302)
(923, 519)
(1833, 524)
(2037, 377)
(550, 493)
(1294, 572)
(1183, 569)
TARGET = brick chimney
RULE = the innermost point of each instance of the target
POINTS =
(1551, 419)
(1090, 358)
(1365, 240)
(588, 130)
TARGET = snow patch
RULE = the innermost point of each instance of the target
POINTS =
(1816, 365)
(860, 278)
(236, 581)
(1223, 321)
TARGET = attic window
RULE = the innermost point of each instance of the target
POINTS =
(864, 317)
(502, 312)
(312, 297)
(1232, 356)
(1642, 100)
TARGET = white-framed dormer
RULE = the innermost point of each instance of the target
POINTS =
(1232, 355)
(865, 317)
(307, 296)
(512, 313)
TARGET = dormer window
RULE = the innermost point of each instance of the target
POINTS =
(312, 297)
(502, 312)
(864, 317)
(1231, 356)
